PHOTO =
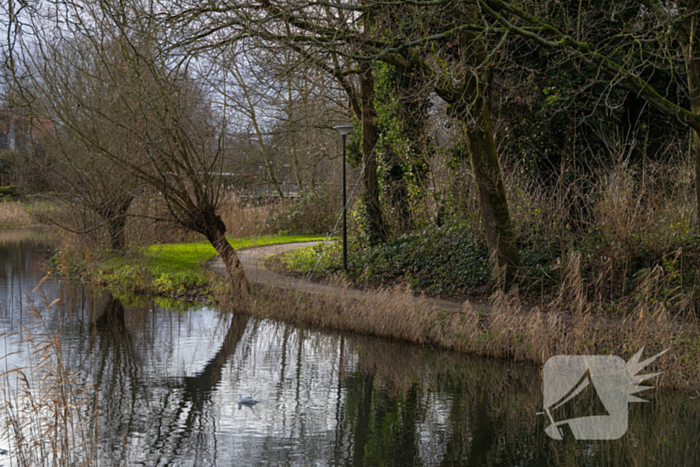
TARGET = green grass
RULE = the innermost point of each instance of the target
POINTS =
(176, 268)
(190, 256)
(321, 260)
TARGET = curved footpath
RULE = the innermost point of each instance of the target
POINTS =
(253, 260)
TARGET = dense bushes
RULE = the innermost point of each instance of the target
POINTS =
(446, 260)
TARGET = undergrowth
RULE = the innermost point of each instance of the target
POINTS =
(448, 260)
(453, 261)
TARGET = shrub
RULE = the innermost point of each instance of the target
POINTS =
(446, 260)
(440, 260)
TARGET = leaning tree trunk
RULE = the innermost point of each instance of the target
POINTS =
(214, 230)
(376, 229)
(492, 195)
(695, 107)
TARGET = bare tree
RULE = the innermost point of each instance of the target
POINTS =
(284, 109)
(75, 168)
(248, 95)
(178, 138)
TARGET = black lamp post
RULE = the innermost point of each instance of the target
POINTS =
(344, 130)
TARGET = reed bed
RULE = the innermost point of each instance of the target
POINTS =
(15, 213)
(242, 220)
(47, 410)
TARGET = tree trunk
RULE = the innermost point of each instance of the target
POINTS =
(272, 177)
(376, 229)
(696, 152)
(471, 104)
(117, 232)
(114, 214)
(296, 168)
(492, 195)
(215, 232)
(292, 138)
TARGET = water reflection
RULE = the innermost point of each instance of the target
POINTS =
(169, 382)
(23, 253)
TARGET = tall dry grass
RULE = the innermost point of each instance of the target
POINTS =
(241, 219)
(15, 236)
(622, 222)
(147, 222)
(47, 411)
(506, 329)
(16, 213)
(650, 202)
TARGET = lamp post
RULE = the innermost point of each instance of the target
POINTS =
(344, 130)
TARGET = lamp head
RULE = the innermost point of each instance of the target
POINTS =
(344, 129)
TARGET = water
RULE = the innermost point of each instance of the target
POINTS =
(169, 378)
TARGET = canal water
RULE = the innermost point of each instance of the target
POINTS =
(168, 377)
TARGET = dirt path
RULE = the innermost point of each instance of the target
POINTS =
(253, 260)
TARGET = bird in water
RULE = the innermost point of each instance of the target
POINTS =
(247, 400)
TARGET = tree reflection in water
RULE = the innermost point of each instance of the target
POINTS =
(169, 382)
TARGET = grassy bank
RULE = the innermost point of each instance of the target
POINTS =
(508, 331)
(566, 320)
(175, 269)
(588, 295)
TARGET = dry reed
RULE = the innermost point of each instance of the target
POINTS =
(47, 411)
(618, 224)
(242, 220)
(147, 222)
(14, 213)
